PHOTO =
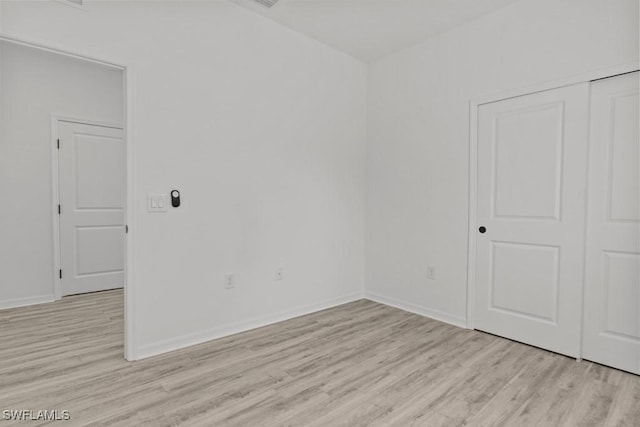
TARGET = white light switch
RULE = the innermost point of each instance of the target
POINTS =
(157, 203)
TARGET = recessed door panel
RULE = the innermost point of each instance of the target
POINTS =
(621, 296)
(528, 160)
(624, 200)
(97, 157)
(532, 159)
(99, 250)
(524, 280)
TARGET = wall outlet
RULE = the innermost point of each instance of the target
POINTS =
(229, 281)
(279, 273)
(431, 272)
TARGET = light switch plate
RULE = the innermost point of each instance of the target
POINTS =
(157, 203)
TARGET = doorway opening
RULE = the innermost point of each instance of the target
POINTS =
(67, 163)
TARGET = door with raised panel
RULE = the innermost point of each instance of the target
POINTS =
(532, 159)
(92, 229)
(612, 281)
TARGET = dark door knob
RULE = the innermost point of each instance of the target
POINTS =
(482, 229)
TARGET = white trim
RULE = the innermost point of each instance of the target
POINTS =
(59, 51)
(474, 103)
(431, 313)
(129, 88)
(85, 121)
(205, 335)
(585, 228)
(555, 84)
(21, 302)
(55, 217)
(55, 187)
(130, 341)
(79, 6)
(473, 213)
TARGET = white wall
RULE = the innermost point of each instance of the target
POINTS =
(261, 129)
(33, 85)
(418, 145)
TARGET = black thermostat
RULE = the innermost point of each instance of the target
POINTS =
(175, 198)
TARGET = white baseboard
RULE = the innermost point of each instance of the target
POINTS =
(188, 340)
(21, 302)
(418, 309)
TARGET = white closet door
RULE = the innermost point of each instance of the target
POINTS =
(532, 160)
(612, 282)
(92, 188)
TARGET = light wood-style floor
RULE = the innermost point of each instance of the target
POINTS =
(360, 364)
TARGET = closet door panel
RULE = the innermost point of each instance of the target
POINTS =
(612, 281)
(532, 169)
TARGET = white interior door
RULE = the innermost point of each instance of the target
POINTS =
(612, 282)
(92, 194)
(532, 158)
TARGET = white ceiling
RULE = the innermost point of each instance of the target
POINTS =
(370, 29)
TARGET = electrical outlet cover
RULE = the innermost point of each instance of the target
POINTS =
(229, 281)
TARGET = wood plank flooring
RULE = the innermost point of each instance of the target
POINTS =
(359, 364)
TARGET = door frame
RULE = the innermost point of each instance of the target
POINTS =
(131, 216)
(474, 105)
(56, 119)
